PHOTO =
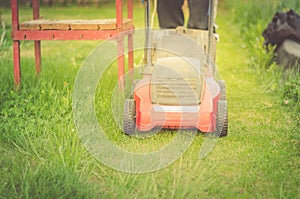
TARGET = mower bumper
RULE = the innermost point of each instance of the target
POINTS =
(149, 115)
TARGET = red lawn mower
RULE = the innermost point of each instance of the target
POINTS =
(179, 89)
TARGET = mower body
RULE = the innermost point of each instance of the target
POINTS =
(201, 115)
(179, 89)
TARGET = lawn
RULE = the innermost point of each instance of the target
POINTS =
(42, 155)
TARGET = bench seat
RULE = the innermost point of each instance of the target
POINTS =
(99, 24)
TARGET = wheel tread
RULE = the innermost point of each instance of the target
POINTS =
(129, 117)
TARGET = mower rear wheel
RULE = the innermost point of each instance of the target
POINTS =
(129, 117)
(222, 118)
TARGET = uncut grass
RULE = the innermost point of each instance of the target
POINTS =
(260, 122)
(38, 139)
(43, 156)
(253, 17)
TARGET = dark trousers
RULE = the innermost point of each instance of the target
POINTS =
(170, 14)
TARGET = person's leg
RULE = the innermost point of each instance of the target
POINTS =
(170, 13)
(198, 14)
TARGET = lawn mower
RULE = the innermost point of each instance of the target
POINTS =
(179, 89)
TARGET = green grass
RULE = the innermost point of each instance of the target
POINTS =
(43, 157)
(252, 18)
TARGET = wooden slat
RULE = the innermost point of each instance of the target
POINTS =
(103, 24)
(107, 24)
(55, 25)
(127, 23)
(31, 25)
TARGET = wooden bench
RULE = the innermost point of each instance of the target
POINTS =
(102, 24)
(101, 29)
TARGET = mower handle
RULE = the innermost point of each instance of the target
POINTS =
(211, 13)
(147, 54)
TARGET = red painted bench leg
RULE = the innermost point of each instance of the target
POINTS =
(130, 56)
(17, 64)
(130, 41)
(16, 43)
(121, 70)
(37, 49)
(37, 44)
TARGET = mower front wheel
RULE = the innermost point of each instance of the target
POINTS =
(129, 117)
(222, 118)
